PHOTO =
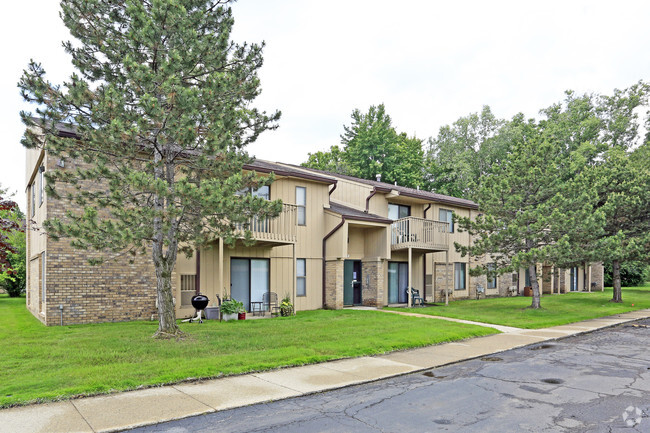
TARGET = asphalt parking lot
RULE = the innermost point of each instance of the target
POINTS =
(596, 382)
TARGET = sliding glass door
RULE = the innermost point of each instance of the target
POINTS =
(397, 282)
(249, 280)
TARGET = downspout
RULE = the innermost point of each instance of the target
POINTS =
(327, 236)
(426, 209)
(336, 183)
(374, 191)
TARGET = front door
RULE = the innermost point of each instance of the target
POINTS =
(249, 280)
(352, 282)
(397, 282)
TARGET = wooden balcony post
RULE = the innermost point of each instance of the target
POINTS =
(410, 280)
(447, 277)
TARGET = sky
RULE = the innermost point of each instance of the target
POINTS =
(429, 62)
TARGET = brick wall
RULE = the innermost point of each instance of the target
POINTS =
(372, 286)
(334, 284)
(117, 290)
(444, 278)
(598, 275)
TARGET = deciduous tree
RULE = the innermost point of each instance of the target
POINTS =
(371, 146)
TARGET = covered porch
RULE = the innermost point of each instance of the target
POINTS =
(244, 272)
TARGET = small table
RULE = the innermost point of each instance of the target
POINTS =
(257, 308)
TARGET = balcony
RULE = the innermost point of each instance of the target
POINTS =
(280, 230)
(419, 234)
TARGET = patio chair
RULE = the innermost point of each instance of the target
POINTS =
(270, 302)
(416, 299)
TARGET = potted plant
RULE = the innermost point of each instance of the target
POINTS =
(286, 307)
(230, 309)
(241, 314)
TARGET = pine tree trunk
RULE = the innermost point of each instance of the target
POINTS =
(532, 270)
(166, 315)
(164, 260)
(616, 281)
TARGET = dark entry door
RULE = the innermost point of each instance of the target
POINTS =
(352, 282)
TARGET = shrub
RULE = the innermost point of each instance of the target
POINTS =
(632, 274)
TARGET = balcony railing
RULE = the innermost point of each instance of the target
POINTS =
(419, 233)
(281, 229)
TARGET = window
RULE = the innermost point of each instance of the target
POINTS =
(301, 277)
(188, 289)
(459, 276)
(301, 202)
(447, 216)
(263, 192)
(397, 211)
(527, 277)
(33, 188)
(491, 279)
(41, 191)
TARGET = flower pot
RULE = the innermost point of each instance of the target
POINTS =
(227, 317)
(241, 316)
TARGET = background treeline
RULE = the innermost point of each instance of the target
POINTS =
(567, 187)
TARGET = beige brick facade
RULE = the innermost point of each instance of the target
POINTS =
(334, 284)
(372, 286)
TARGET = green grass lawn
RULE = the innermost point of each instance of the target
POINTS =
(39, 363)
(556, 309)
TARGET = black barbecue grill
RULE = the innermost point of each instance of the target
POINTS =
(199, 302)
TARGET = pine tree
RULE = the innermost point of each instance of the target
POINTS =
(527, 216)
(160, 104)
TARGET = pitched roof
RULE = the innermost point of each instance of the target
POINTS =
(285, 170)
(403, 190)
(355, 214)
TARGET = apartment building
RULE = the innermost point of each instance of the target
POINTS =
(339, 241)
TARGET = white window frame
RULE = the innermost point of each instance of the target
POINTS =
(302, 278)
(491, 267)
(302, 207)
(448, 218)
(41, 191)
(458, 266)
(33, 188)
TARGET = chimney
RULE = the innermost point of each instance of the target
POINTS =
(378, 177)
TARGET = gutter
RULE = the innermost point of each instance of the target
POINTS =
(327, 236)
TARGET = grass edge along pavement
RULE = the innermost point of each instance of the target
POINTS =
(40, 364)
(556, 309)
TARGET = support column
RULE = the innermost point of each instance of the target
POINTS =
(294, 279)
(221, 265)
(334, 284)
(372, 284)
(410, 280)
(433, 278)
(447, 277)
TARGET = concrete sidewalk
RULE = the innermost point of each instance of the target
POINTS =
(153, 405)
